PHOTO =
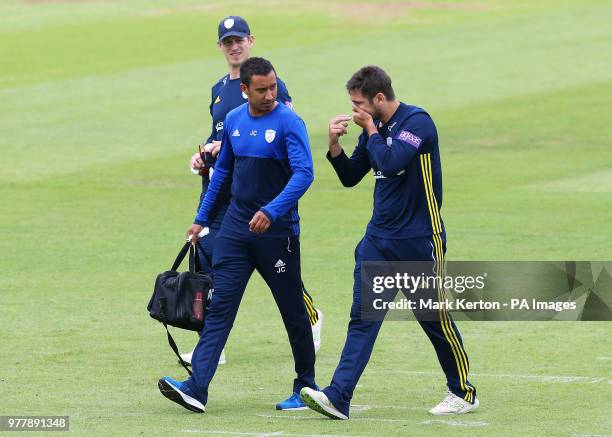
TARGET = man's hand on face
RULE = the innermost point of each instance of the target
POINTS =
(259, 223)
(364, 119)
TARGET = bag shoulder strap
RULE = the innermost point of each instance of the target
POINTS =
(205, 255)
(174, 347)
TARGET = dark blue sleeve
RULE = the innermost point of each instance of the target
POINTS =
(283, 94)
(410, 136)
(211, 137)
(223, 168)
(351, 170)
(300, 162)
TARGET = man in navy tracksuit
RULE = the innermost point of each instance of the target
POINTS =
(235, 42)
(399, 146)
(266, 151)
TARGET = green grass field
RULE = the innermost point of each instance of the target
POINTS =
(102, 104)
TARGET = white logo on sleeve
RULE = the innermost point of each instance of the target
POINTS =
(378, 174)
(229, 23)
(280, 266)
(236, 133)
(270, 134)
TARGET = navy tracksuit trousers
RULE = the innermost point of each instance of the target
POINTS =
(442, 333)
(277, 259)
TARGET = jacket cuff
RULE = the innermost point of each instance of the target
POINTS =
(268, 214)
(330, 159)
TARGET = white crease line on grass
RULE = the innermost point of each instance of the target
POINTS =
(604, 358)
(590, 435)
(359, 407)
(454, 423)
(260, 434)
(319, 417)
(464, 423)
(280, 416)
(541, 378)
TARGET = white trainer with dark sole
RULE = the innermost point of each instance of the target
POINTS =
(317, 401)
(452, 405)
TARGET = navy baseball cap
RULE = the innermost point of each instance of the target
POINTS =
(233, 26)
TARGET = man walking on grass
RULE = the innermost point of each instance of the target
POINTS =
(399, 144)
(266, 152)
(235, 41)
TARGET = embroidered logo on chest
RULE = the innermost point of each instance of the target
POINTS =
(270, 135)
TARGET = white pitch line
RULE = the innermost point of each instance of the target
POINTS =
(454, 423)
(374, 406)
(366, 419)
(260, 434)
(463, 423)
(199, 431)
(590, 435)
(279, 416)
(546, 378)
(376, 419)
(542, 378)
(360, 407)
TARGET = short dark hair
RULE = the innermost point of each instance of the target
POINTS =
(255, 66)
(371, 80)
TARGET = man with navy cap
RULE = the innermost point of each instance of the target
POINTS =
(235, 42)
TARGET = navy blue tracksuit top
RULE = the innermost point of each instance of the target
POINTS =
(269, 160)
(405, 162)
(225, 96)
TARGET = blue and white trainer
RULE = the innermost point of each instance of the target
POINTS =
(181, 393)
(294, 402)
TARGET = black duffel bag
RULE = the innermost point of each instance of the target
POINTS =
(181, 298)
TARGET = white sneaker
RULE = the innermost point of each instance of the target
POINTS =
(316, 331)
(187, 357)
(453, 404)
(317, 401)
